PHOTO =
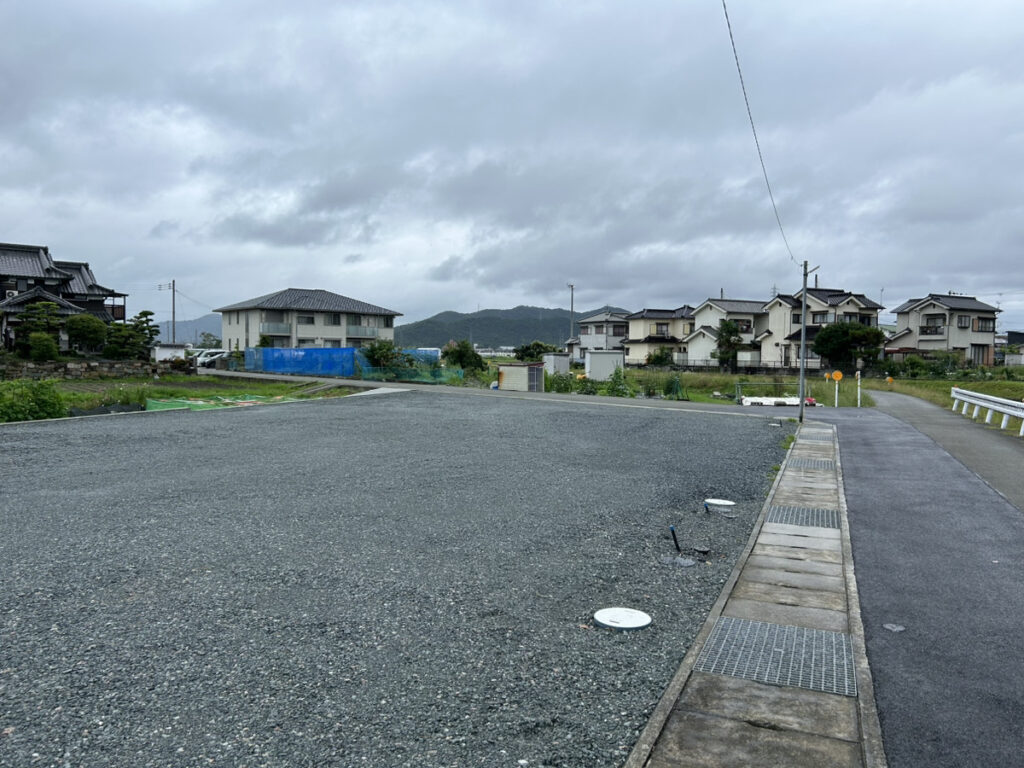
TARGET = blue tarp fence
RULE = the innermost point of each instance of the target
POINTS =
(309, 362)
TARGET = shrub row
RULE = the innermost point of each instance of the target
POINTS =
(29, 400)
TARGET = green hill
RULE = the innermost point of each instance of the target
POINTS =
(491, 327)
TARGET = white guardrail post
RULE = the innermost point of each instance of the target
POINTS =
(964, 399)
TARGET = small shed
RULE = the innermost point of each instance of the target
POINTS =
(556, 362)
(521, 377)
(601, 363)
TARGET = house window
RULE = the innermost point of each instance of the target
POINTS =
(819, 318)
(986, 324)
(304, 319)
(306, 342)
(619, 330)
(661, 329)
(598, 329)
(389, 322)
(796, 318)
(332, 318)
(935, 321)
(584, 330)
(744, 326)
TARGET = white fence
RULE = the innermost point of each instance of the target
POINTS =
(964, 399)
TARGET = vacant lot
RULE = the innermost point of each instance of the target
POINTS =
(399, 580)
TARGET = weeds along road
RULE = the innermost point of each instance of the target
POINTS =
(406, 580)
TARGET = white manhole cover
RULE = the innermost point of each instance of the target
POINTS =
(622, 618)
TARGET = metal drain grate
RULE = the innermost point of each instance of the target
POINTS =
(799, 463)
(780, 655)
(819, 518)
(815, 437)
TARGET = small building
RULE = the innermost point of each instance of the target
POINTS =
(951, 323)
(601, 364)
(521, 377)
(556, 362)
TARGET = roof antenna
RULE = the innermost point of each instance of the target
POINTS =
(815, 281)
(721, 293)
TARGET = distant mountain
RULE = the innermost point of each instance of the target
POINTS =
(493, 327)
(189, 331)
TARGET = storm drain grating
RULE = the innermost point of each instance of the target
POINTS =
(815, 437)
(780, 655)
(819, 518)
(799, 463)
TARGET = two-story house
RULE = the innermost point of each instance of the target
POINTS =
(749, 316)
(602, 331)
(653, 329)
(780, 338)
(298, 317)
(945, 323)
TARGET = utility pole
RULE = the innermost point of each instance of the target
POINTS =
(572, 308)
(803, 342)
(174, 317)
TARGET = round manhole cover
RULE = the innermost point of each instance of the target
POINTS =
(622, 618)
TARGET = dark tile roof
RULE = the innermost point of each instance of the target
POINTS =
(683, 312)
(310, 300)
(28, 261)
(603, 317)
(966, 303)
(83, 281)
(835, 296)
(17, 304)
(785, 298)
(741, 306)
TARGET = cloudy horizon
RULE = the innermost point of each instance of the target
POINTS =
(464, 155)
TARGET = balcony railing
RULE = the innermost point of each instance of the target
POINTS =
(276, 329)
(361, 332)
(933, 330)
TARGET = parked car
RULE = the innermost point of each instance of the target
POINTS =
(208, 357)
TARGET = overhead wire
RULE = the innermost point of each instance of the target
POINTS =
(757, 143)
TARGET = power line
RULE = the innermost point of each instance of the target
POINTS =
(750, 115)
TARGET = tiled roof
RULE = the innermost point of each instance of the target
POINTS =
(966, 303)
(83, 281)
(603, 317)
(738, 306)
(17, 304)
(685, 311)
(28, 261)
(310, 300)
(835, 296)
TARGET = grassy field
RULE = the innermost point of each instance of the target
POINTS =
(938, 391)
(701, 387)
(96, 393)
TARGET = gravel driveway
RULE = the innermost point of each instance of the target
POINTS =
(406, 580)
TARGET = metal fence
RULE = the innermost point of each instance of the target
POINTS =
(309, 362)
(964, 399)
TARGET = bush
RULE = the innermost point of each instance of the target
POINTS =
(462, 355)
(42, 346)
(29, 400)
(618, 386)
(663, 357)
(85, 331)
(558, 382)
(586, 386)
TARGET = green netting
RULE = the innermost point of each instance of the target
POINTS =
(209, 403)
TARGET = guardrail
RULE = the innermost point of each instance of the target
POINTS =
(964, 399)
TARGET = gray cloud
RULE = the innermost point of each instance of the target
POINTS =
(497, 151)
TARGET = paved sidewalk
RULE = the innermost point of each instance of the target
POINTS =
(778, 675)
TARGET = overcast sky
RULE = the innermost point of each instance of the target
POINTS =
(430, 156)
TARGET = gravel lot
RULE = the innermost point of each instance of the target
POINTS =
(400, 580)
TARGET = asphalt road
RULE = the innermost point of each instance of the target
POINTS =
(398, 580)
(939, 552)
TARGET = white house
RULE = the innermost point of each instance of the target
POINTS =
(298, 317)
(602, 330)
(749, 316)
(779, 337)
(945, 323)
(651, 330)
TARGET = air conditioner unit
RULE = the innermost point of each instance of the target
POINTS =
(11, 294)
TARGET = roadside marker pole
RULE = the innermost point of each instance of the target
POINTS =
(858, 389)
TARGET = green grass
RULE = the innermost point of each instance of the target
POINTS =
(95, 393)
(700, 387)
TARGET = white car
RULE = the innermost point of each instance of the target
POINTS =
(207, 357)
